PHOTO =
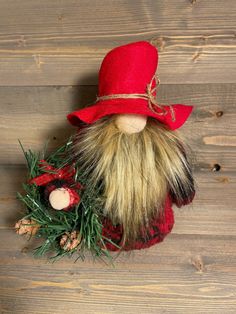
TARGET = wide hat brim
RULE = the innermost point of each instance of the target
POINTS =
(174, 117)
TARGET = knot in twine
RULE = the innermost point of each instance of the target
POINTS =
(150, 96)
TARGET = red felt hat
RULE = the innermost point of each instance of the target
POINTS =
(127, 85)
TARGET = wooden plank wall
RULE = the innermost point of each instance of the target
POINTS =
(50, 53)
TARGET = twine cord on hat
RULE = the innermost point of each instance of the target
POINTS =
(150, 96)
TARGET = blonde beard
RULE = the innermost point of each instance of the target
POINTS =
(135, 171)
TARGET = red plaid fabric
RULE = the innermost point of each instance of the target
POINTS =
(63, 176)
(156, 232)
(74, 198)
(65, 173)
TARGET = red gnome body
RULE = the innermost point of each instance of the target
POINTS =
(127, 146)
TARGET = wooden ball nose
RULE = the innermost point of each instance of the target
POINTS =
(59, 199)
(131, 123)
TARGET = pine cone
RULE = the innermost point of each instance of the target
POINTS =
(26, 226)
(70, 241)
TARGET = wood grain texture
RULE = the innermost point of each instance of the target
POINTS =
(203, 216)
(63, 42)
(184, 274)
(50, 53)
(36, 114)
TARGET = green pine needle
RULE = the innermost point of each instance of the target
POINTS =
(85, 218)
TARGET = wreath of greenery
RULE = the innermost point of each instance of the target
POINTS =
(85, 218)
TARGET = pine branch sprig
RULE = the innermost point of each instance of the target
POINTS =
(85, 219)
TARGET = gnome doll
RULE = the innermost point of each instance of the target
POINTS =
(128, 146)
